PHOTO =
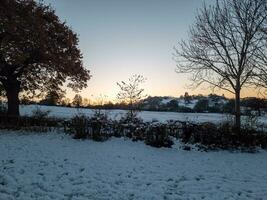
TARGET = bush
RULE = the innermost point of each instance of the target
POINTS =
(209, 136)
(139, 133)
(130, 126)
(3, 109)
(39, 114)
(263, 141)
(98, 133)
(206, 134)
(117, 129)
(251, 121)
(29, 123)
(174, 128)
(187, 131)
(100, 126)
(130, 118)
(157, 136)
(78, 126)
(40, 118)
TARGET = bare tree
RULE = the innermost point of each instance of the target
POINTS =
(131, 93)
(226, 47)
(261, 80)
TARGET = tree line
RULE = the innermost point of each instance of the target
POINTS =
(202, 104)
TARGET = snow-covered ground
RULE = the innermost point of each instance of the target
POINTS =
(54, 166)
(146, 115)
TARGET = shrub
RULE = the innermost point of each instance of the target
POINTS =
(250, 121)
(157, 136)
(3, 109)
(263, 141)
(174, 128)
(41, 119)
(117, 129)
(39, 114)
(129, 125)
(209, 136)
(140, 132)
(97, 127)
(187, 131)
(130, 118)
(206, 134)
(100, 126)
(79, 126)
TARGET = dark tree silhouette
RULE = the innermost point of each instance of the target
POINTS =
(187, 98)
(77, 100)
(37, 51)
(254, 103)
(226, 47)
(202, 105)
(53, 97)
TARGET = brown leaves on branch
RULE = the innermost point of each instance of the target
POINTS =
(36, 48)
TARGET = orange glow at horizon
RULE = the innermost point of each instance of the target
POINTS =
(120, 38)
(109, 93)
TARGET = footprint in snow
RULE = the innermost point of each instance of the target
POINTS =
(169, 180)
(82, 169)
(198, 178)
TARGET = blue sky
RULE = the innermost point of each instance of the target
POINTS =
(119, 38)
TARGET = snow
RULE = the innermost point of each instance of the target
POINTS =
(55, 166)
(166, 100)
(145, 115)
(181, 102)
(190, 104)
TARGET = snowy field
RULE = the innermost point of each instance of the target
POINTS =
(54, 166)
(146, 115)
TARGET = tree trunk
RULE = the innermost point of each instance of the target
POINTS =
(12, 88)
(237, 110)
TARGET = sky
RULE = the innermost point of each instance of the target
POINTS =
(119, 38)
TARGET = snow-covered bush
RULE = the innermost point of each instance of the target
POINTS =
(40, 119)
(174, 128)
(130, 118)
(140, 132)
(129, 124)
(209, 136)
(186, 131)
(205, 134)
(100, 126)
(98, 132)
(78, 126)
(97, 127)
(156, 135)
(251, 121)
(117, 129)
